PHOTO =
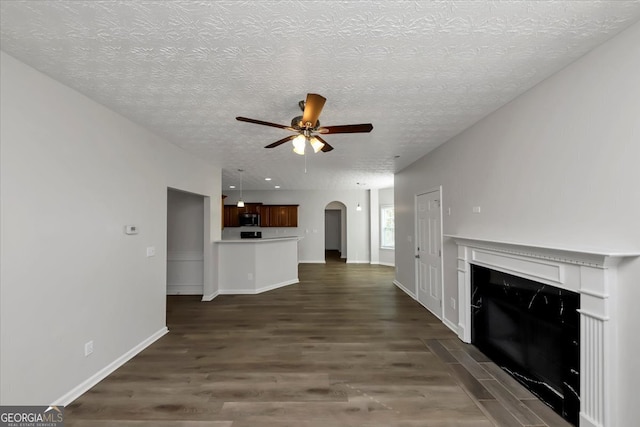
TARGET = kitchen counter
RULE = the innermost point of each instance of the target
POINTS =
(258, 240)
(252, 266)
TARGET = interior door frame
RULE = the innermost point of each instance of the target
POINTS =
(207, 249)
(416, 272)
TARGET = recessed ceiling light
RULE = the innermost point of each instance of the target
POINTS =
(232, 186)
(277, 186)
(267, 179)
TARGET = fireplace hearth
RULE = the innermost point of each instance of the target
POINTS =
(532, 331)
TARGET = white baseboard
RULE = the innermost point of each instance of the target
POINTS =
(184, 289)
(386, 264)
(587, 421)
(405, 290)
(237, 292)
(84, 386)
(449, 324)
(310, 261)
(210, 297)
(439, 316)
(259, 290)
(358, 262)
(461, 333)
(277, 285)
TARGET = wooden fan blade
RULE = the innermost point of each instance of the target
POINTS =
(312, 109)
(260, 122)
(281, 141)
(361, 128)
(326, 147)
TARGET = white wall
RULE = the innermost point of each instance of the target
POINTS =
(73, 174)
(374, 226)
(385, 198)
(185, 243)
(558, 166)
(311, 209)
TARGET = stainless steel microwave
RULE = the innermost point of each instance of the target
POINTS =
(249, 219)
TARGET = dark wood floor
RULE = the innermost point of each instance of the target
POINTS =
(344, 347)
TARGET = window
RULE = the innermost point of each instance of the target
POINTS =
(387, 227)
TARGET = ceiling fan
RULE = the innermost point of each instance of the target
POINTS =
(307, 127)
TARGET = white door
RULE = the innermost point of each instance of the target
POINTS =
(429, 252)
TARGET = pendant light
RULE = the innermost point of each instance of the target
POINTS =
(240, 202)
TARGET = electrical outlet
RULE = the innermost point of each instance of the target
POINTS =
(88, 348)
(453, 303)
(476, 209)
(151, 251)
(250, 276)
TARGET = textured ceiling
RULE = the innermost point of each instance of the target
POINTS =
(420, 71)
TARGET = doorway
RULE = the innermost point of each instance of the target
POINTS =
(186, 231)
(429, 251)
(335, 243)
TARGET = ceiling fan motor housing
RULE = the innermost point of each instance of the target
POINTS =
(296, 123)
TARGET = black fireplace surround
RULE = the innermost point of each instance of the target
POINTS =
(532, 331)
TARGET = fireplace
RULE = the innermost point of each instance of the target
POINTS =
(591, 274)
(532, 331)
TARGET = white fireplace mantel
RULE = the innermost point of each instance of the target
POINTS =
(587, 271)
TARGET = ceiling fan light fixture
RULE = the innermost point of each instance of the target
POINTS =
(316, 144)
(299, 143)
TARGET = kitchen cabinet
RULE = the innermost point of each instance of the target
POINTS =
(280, 216)
(270, 215)
(252, 208)
(222, 211)
(231, 216)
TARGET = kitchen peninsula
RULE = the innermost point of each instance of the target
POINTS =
(252, 266)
